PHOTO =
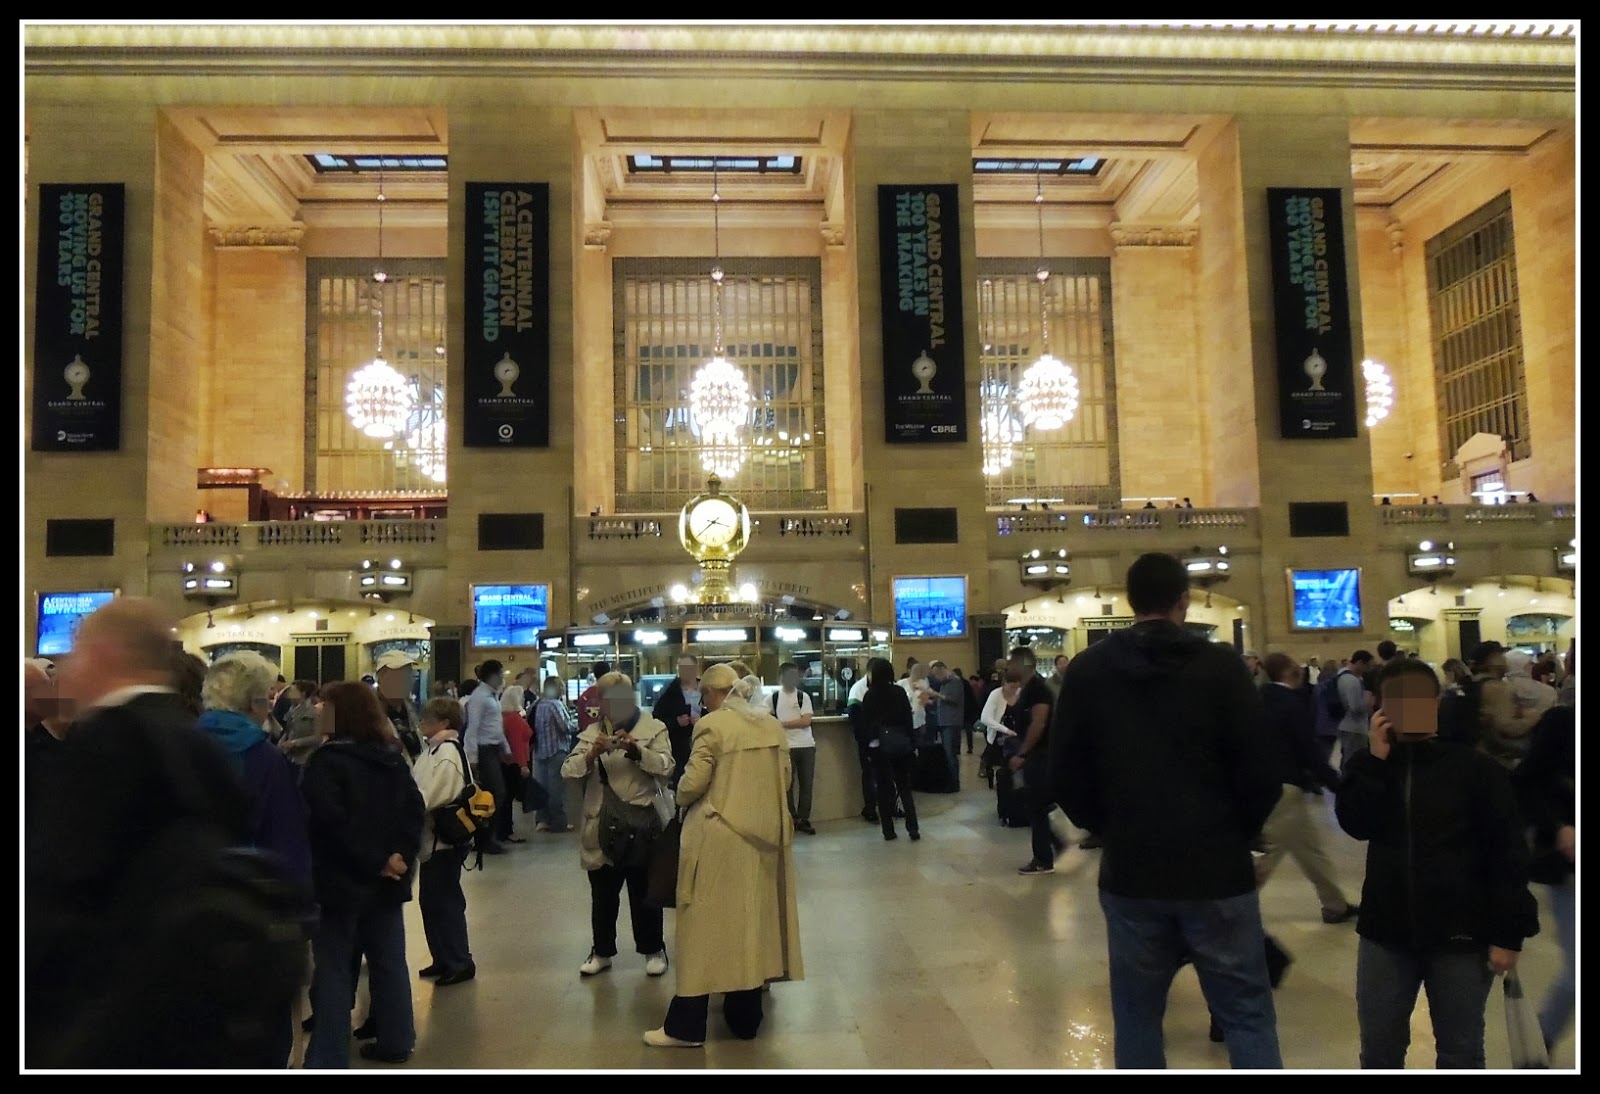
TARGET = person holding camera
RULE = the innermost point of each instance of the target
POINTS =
(1445, 906)
(631, 752)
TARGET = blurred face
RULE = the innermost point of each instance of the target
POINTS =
(394, 683)
(1022, 667)
(619, 704)
(1412, 706)
(432, 727)
(1061, 664)
(688, 670)
(1494, 665)
(39, 694)
(260, 709)
(791, 678)
(1252, 663)
(552, 690)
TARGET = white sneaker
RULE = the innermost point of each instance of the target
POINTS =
(595, 964)
(656, 964)
(657, 1038)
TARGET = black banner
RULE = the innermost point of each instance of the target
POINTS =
(924, 349)
(507, 364)
(1311, 311)
(77, 337)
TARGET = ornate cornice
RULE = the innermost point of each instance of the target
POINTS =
(1070, 54)
(597, 235)
(1397, 236)
(1154, 235)
(833, 235)
(277, 237)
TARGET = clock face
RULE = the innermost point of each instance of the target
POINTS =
(713, 522)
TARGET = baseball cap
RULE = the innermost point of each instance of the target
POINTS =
(395, 659)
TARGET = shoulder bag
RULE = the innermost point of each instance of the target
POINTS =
(626, 830)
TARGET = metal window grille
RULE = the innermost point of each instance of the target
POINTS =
(664, 331)
(341, 336)
(1477, 331)
(1078, 463)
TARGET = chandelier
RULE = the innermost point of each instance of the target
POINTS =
(1000, 433)
(719, 394)
(1048, 393)
(427, 444)
(377, 399)
(1380, 391)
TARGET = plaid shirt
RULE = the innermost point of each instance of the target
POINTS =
(552, 733)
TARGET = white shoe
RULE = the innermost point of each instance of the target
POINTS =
(656, 964)
(594, 965)
(657, 1038)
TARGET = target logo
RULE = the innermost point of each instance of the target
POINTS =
(506, 432)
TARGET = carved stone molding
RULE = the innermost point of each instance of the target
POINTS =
(272, 237)
(1154, 235)
(597, 235)
(1397, 236)
(833, 235)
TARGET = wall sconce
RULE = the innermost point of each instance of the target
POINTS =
(1045, 570)
(1208, 568)
(212, 582)
(380, 581)
(1432, 560)
(1567, 558)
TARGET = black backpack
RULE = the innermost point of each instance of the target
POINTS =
(1329, 698)
(210, 952)
(1460, 714)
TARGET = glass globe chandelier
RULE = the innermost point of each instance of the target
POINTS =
(719, 394)
(377, 399)
(1000, 432)
(1380, 391)
(427, 444)
(1048, 393)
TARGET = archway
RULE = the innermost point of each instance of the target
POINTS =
(1069, 621)
(1447, 618)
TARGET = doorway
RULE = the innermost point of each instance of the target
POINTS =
(322, 664)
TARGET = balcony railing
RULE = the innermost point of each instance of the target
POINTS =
(273, 535)
(624, 528)
(1533, 513)
(1125, 520)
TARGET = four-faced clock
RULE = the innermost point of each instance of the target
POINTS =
(713, 522)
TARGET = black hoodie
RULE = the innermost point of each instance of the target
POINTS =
(1160, 748)
(363, 807)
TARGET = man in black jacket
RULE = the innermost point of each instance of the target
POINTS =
(1446, 904)
(678, 708)
(1291, 828)
(1160, 749)
(98, 995)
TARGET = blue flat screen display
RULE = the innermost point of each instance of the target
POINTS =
(509, 615)
(59, 617)
(930, 607)
(1326, 600)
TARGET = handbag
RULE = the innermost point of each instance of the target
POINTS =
(1522, 1027)
(626, 830)
(894, 743)
(534, 795)
(661, 881)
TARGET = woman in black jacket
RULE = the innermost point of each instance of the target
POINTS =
(1546, 782)
(365, 816)
(1445, 904)
(887, 724)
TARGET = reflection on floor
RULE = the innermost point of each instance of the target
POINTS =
(930, 955)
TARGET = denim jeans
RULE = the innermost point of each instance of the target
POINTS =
(1149, 939)
(1387, 979)
(554, 813)
(1556, 1011)
(950, 738)
(379, 931)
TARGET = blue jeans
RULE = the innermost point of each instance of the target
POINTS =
(379, 931)
(1149, 939)
(950, 738)
(548, 772)
(1556, 1011)
(1387, 979)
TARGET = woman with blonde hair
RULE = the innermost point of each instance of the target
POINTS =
(738, 925)
(519, 735)
(627, 753)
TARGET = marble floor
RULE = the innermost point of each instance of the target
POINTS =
(934, 955)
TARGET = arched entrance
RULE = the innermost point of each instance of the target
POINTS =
(1522, 611)
(321, 640)
(1070, 621)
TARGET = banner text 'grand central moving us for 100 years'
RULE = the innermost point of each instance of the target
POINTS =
(78, 269)
(1308, 261)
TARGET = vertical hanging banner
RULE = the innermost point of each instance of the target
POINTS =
(77, 327)
(924, 348)
(1311, 312)
(507, 366)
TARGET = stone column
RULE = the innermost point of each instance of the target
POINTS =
(1265, 152)
(895, 147)
(1163, 430)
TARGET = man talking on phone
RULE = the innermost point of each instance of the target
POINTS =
(1445, 906)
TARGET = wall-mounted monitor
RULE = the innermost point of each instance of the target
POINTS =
(930, 607)
(509, 615)
(1325, 600)
(60, 615)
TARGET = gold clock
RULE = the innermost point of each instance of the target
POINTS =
(714, 525)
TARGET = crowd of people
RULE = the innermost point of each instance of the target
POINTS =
(163, 792)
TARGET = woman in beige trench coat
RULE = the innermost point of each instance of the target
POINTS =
(738, 926)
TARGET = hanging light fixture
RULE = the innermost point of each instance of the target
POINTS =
(1048, 393)
(719, 394)
(1380, 391)
(999, 430)
(377, 399)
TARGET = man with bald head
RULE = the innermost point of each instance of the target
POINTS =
(133, 771)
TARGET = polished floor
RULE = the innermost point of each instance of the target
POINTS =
(931, 955)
